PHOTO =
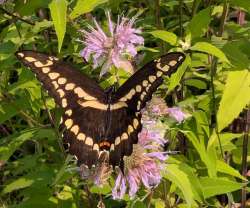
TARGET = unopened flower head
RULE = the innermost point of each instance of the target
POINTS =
(114, 48)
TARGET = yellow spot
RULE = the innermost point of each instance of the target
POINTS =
(172, 63)
(93, 104)
(30, 59)
(159, 73)
(124, 136)
(139, 105)
(75, 129)
(130, 129)
(61, 93)
(69, 86)
(68, 112)
(165, 68)
(181, 57)
(96, 147)
(148, 87)
(135, 123)
(112, 147)
(118, 105)
(123, 99)
(89, 141)
(61, 81)
(45, 70)
(55, 84)
(68, 123)
(145, 83)
(53, 58)
(64, 103)
(82, 94)
(81, 136)
(20, 54)
(152, 78)
(40, 64)
(117, 141)
(53, 75)
(138, 88)
(130, 94)
(142, 96)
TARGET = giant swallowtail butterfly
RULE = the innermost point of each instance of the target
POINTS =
(96, 120)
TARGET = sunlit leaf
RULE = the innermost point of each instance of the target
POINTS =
(199, 23)
(235, 97)
(176, 77)
(210, 49)
(58, 10)
(84, 6)
(166, 36)
(216, 186)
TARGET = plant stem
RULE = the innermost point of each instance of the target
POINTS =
(16, 17)
(244, 155)
(52, 122)
(180, 17)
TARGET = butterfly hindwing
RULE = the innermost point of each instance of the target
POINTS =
(95, 120)
(69, 87)
(138, 89)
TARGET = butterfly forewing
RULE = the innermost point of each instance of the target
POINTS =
(138, 89)
(91, 121)
(83, 126)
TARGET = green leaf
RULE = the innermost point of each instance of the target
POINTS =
(235, 55)
(8, 110)
(241, 3)
(19, 138)
(176, 77)
(236, 96)
(30, 6)
(199, 23)
(225, 168)
(166, 36)
(17, 184)
(58, 10)
(183, 180)
(210, 49)
(84, 6)
(215, 186)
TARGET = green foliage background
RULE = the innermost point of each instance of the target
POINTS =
(213, 85)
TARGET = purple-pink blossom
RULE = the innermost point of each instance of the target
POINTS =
(142, 167)
(177, 114)
(112, 49)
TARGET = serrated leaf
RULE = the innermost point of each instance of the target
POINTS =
(58, 10)
(210, 49)
(215, 186)
(85, 6)
(166, 36)
(236, 96)
(199, 23)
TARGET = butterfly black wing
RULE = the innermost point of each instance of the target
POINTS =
(69, 87)
(138, 89)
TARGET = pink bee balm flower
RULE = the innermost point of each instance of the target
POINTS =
(177, 114)
(142, 167)
(111, 49)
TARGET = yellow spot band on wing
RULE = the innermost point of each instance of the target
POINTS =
(101, 106)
